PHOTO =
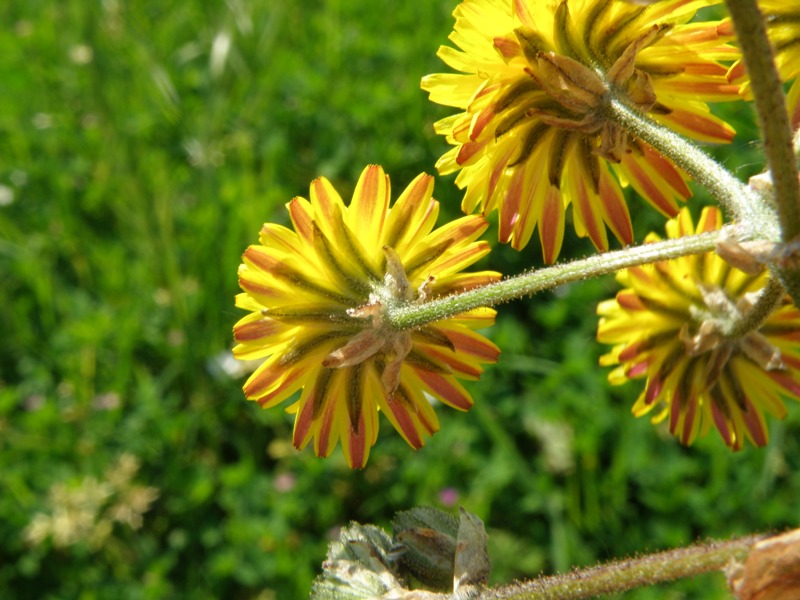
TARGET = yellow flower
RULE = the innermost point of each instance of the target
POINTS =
(669, 325)
(533, 137)
(316, 295)
(783, 27)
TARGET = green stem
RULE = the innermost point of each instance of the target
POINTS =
(768, 300)
(776, 129)
(771, 108)
(628, 574)
(415, 315)
(720, 183)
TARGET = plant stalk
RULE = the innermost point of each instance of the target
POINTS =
(770, 103)
(631, 573)
(768, 300)
(773, 118)
(415, 315)
(726, 189)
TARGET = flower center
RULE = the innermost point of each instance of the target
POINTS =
(378, 338)
(562, 92)
(711, 331)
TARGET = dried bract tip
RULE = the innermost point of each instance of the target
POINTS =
(771, 570)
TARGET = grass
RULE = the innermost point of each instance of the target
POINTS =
(143, 144)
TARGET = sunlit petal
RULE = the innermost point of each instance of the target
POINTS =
(533, 137)
(669, 325)
(315, 296)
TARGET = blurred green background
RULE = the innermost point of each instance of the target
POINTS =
(142, 144)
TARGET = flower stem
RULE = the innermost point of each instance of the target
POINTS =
(768, 300)
(771, 108)
(779, 147)
(415, 315)
(721, 184)
(630, 573)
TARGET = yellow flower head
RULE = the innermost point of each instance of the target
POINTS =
(672, 324)
(317, 293)
(783, 27)
(534, 138)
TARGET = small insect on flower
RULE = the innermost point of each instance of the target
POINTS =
(317, 295)
(675, 325)
(535, 79)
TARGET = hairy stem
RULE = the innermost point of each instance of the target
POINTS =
(771, 108)
(414, 315)
(720, 183)
(768, 300)
(628, 574)
(773, 119)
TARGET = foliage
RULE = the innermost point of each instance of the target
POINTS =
(143, 145)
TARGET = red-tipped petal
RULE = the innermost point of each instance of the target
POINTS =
(405, 423)
(367, 211)
(721, 423)
(615, 208)
(585, 205)
(637, 370)
(710, 220)
(689, 425)
(786, 381)
(471, 343)
(551, 224)
(459, 259)
(280, 238)
(328, 207)
(413, 215)
(327, 433)
(704, 128)
(265, 378)
(647, 187)
(754, 421)
(630, 300)
(356, 444)
(510, 207)
(463, 368)
(674, 413)
(655, 385)
(256, 330)
(446, 389)
(469, 150)
(302, 216)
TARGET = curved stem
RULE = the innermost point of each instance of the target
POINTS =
(726, 189)
(770, 104)
(768, 300)
(414, 315)
(628, 574)
(773, 119)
